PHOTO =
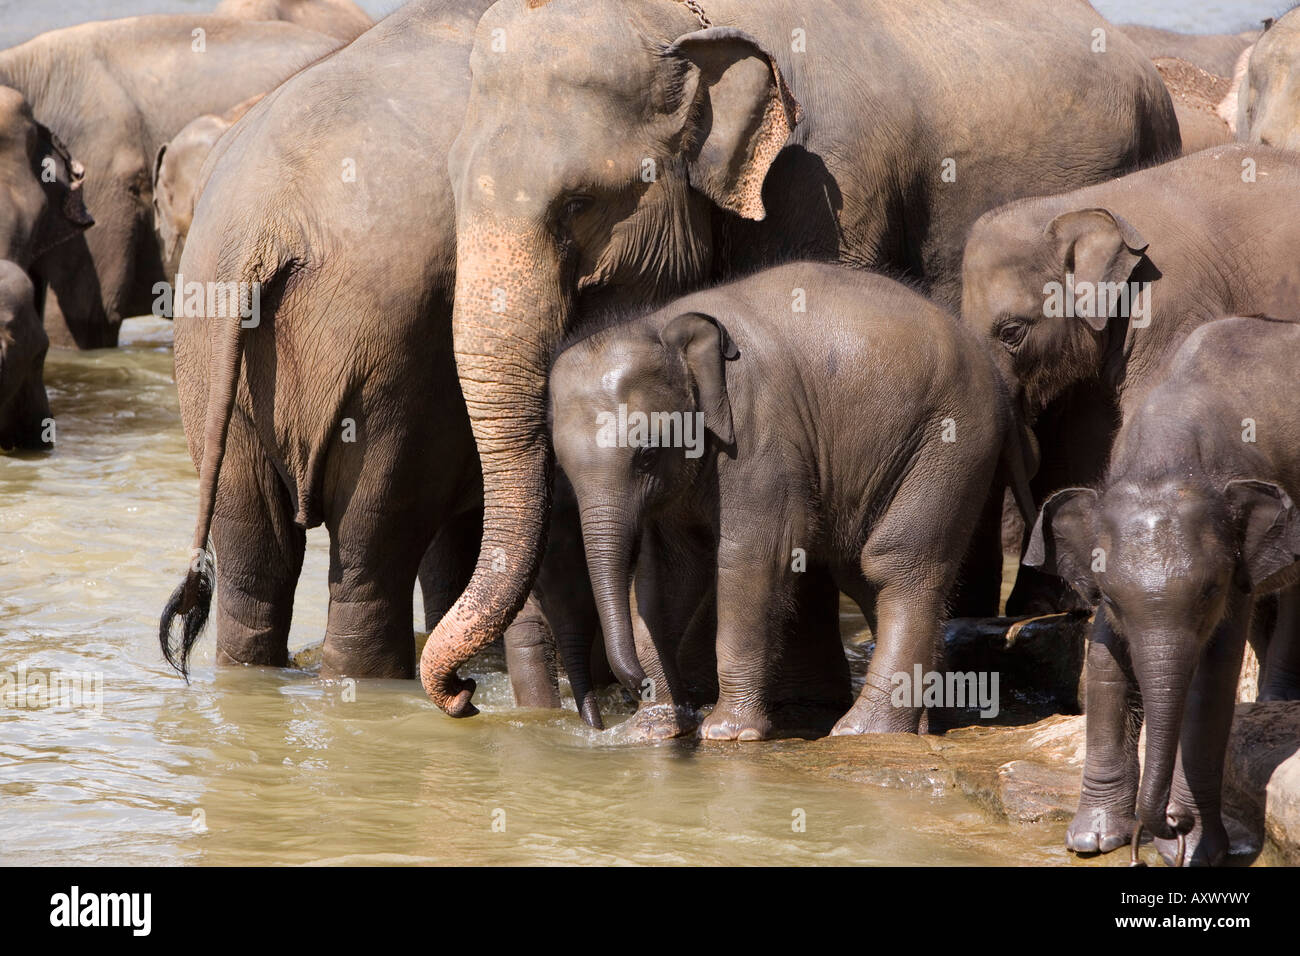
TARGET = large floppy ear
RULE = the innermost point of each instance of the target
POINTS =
(1270, 530)
(1096, 245)
(705, 346)
(1062, 539)
(739, 116)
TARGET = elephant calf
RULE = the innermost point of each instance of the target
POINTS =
(24, 407)
(807, 429)
(1193, 522)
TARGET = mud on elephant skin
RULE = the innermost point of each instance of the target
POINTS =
(114, 91)
(713, 444)
(1191, 525)
(1087, 294)
(758, 155)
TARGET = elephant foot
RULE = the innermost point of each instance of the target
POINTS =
(866, 719)
(653, 723)
(1098, 829)
(1206, 845)
(735, 722)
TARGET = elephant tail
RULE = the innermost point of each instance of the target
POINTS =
(262, 277)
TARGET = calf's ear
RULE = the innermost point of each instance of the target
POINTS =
(1269, 530)
(705, 347)
(1096, 245)
(1062, 539)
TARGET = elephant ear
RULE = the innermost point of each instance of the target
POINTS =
(1061, 542)
(705, 347)
(1270, 530)
(740, 117)
(1097, 246)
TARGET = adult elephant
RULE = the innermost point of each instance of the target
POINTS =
(114, 92)
(629, 151)
(342, 405)
(337, 18)
(1268, 104)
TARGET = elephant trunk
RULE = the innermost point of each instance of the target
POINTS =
(609, 536)
(508, 316)
(1164, 673)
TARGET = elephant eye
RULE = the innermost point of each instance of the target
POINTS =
(645, 459)
(1011, 331)
(572, 207)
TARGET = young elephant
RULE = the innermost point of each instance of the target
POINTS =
(23, 343)
(851, 447)
(176, 180)
(1194, 521)
(1087, 294)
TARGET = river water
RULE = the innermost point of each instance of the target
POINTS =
(254, 766)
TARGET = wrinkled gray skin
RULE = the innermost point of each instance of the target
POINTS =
(23, 343)
(1268, 107)
(342, 19)
(114, 92)
(41, 214)
(759, 155)
(1210, 244)
(176, 177)
(881, 507)
(1213, 52)
(1194, 524)
(350, 329)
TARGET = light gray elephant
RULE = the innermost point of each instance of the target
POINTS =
(1268, 107)
(176, 177)
(114, 91)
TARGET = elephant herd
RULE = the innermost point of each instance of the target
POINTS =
(637, 333)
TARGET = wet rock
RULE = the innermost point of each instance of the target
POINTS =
(1261, 781)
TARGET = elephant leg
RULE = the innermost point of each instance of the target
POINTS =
(259, 554)
(697, 657)
(375, 551)
(448, 563)
(530, 658)
(1106, 816)
(756, 595)
(1197, 784)
(668, 588)
(1280, 666)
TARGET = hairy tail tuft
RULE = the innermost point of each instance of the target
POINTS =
(191, 601)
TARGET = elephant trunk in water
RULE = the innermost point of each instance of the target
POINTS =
(608, 533)
(508, 315)
(1164, 671)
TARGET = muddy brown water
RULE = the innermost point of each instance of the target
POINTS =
(249, 766)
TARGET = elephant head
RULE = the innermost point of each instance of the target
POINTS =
(41, 184)
(1169, 563)
(1046, 295)
(600, 142)
(24, 407)
(632, 410)
(1268, 100)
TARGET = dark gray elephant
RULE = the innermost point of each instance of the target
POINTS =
(722, 434)
(1193, 522)
(177, 181)
(1268, 104)
(1088, 293)
(41, 216)
(114, 92)
(342, 19)
(631, 151)
(1215, 53)
(24, 407)
(341, 406)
